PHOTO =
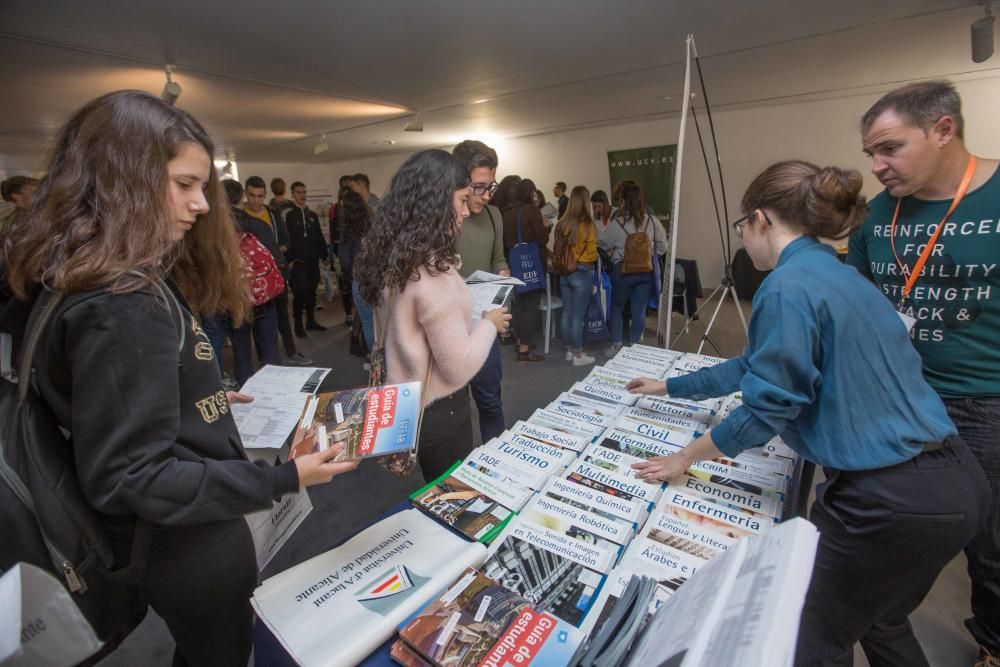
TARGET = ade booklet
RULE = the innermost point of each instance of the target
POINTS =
(370, 421)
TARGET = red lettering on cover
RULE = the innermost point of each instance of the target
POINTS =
(380, 412)
(522, 641)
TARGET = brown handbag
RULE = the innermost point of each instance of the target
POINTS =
(400, 464)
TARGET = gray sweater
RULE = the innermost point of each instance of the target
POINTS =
(612, 237)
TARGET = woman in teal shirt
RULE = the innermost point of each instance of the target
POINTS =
(830, 367)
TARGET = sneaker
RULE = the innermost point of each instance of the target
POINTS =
(569, 355)
(299, 359)
(612, 350)
(987, 658)
(583, 360)
(366, 366)
(315, 326)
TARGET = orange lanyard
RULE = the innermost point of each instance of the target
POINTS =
(912, 275)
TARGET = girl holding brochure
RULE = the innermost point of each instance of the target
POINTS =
(829, 367)
(408, 271)
(131, 228)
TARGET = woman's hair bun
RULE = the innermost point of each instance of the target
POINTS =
(834, 205)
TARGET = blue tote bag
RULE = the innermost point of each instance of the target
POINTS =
(526, 262)
(595, 322)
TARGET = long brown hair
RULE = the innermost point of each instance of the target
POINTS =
(824, 202)
(100, 215)
(577, 217)
(415, 225)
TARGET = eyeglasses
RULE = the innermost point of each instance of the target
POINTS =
(480, 189)
(746, 219)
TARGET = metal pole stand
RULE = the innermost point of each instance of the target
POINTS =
(726, 288)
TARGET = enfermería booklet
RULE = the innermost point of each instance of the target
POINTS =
(335, 609)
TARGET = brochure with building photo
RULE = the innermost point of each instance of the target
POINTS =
(611, 459)
(508, 442)
(560, 422)
(370, 421)
(464, 503)
(505, 469)
(602, 479)
(549, 436)
(488, 296)
(560, 575)
(564, 517)
(599, 502)
(674, 532)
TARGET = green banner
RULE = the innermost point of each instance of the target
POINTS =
(653, 169)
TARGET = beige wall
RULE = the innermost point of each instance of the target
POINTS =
(823, 131)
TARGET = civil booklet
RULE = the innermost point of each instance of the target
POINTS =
(652, 431)
(369, 421)
(335, 609)
(559, 574)
(672, 422)
(726, 520)
(469, 502)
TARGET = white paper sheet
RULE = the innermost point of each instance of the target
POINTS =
(487, 296)
(336, 608)
(496, 278)
(271, 528)
(280, 394)
(42, 626)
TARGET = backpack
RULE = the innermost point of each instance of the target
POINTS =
(260, 269)
(638, 256)
(564, 259)
(45, 519)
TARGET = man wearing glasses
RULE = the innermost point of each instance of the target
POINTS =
(480, 245)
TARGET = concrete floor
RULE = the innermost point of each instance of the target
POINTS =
(351, 501)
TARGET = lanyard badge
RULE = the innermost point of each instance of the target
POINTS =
(914, 273)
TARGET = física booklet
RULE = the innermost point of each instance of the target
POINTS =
(370, 421)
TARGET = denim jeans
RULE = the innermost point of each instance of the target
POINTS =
(485, 386)
(365, 313)
(978, 423)
(576, 289)
(634, 286)
(264, 331)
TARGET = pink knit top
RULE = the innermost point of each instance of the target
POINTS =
(433, 316)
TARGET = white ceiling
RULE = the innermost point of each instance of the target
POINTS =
(267, 78)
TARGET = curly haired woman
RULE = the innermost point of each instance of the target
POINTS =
(407, 271)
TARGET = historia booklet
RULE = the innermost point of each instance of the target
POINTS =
(336, 608)
(370, 421)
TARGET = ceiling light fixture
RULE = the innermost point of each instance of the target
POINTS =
(982, 35)
(415, 125)
(171, 89)
(385, 142)
(322, 146)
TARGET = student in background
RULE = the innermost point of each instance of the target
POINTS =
(602, 209)
(629, 282)
(355, 220)
(504, 195)
(527, 316)
(255, 193)
(578, 228)
(480, 245)
(279, 202)
(306, 249)
(136, 245)
(359, 183)
(16, 190)
(829, 367)
(549, 212)
(407, 271)
(559, 192)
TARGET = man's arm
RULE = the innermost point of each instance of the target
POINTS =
(857, 253)
(498, 263)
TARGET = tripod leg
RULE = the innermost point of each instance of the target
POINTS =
(689, 319)
(739, 310)
(711, 322)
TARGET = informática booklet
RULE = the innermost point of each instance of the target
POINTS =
(370, 421)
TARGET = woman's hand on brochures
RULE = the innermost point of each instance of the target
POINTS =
(499, 317)
(321, 467)
(647, 386)
(661, 468)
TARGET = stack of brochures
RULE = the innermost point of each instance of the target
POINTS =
(573, 533)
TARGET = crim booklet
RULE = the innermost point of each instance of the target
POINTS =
(370, 421)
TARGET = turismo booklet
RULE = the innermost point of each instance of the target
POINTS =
(479, 622)
(527, 448)
(470, 502)
(370, 421)
(336, 608)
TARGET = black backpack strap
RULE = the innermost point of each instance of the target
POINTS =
(41, 313)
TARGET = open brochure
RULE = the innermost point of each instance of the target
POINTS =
(280, 393)
(370, 421)
(741, 608)
(479, 277)
(488, 296)
(336, 608)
